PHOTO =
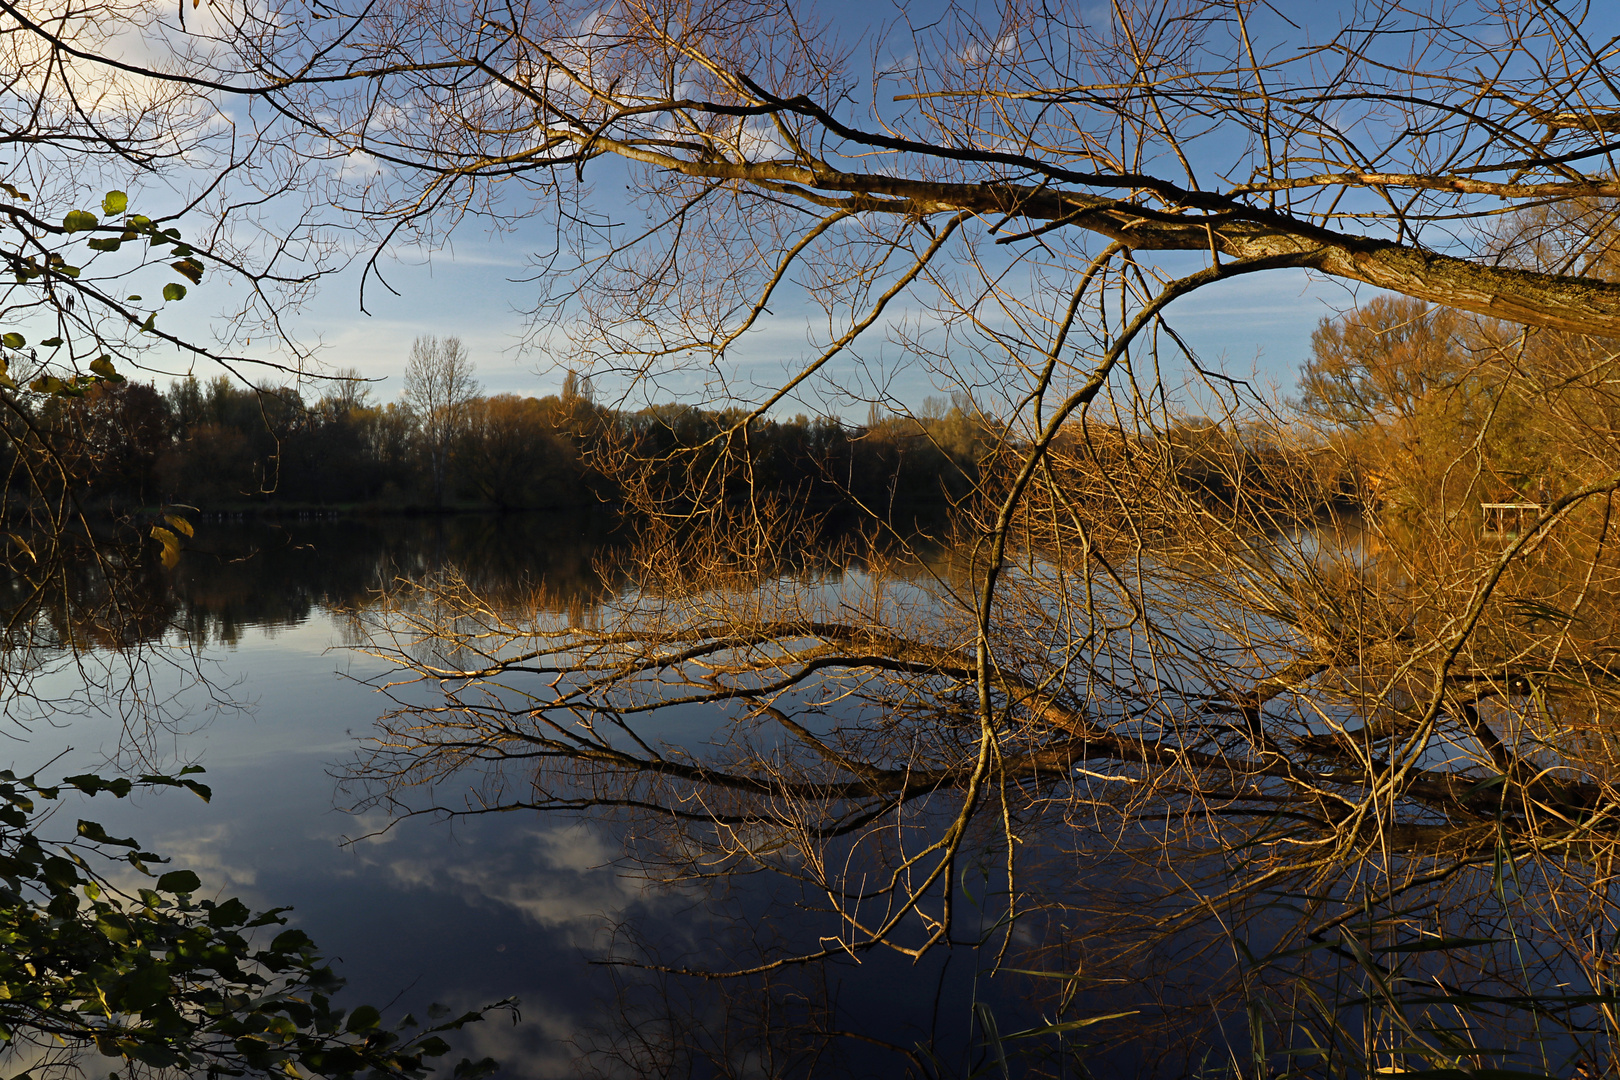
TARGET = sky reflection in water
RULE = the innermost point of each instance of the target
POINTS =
(463, 913)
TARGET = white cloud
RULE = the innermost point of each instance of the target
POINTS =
(563, 878)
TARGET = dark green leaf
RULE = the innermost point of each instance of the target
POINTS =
(174, 291)
(143, 988)
(474, 1070)
(166, 984)
(90, 830)
(158, 1056)
(290, 941)
(179, 881)
(363, 1018)
(231, 913)
(60, 874)
(91, 784)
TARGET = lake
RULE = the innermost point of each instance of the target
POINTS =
(253, 680)
(409, 847)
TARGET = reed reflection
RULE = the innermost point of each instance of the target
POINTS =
(1215, 794)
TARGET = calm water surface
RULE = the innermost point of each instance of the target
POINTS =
(271, 702)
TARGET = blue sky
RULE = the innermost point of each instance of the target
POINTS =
(1255, 328)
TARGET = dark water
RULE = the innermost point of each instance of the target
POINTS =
(252, 680)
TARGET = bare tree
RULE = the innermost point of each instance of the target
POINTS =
(1150, 656)
(439, 388)
(1160, 685)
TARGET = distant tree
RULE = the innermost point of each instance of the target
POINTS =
(349, 391)
(439, 387)
(577, 388)
(1380, 361)
(113, 435)
(510, 455)
(214, 464)
(186, 405)
(1441, 410)
(388, 432)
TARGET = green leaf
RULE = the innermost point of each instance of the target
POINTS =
(78, 220)
(102, 365)
(91, 784)
(167, 983)
(290, 941)
(363, 1018)
(174, 291)
(160, 1057)
(467, 1069)
(13, 341)
(142, 988)
(150, 323)
(51, 342)
(231, 913)
(60, 874)
(114, 202)
(179, 881)
(104, 243)
(90, 830)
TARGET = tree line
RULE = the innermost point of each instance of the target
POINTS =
(221, 445)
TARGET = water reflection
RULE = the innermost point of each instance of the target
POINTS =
(268, 573)
(706, 820)
(1193, 814)
(489, 906)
